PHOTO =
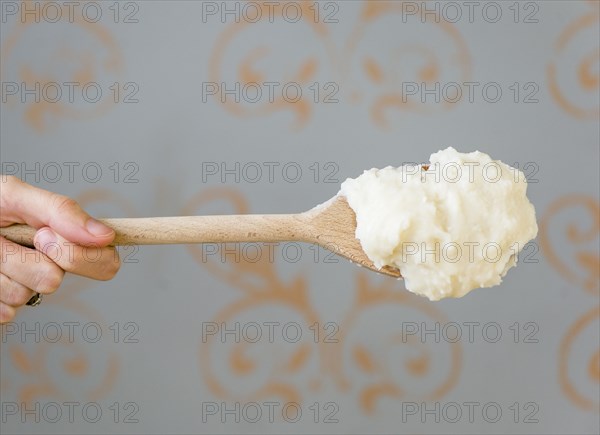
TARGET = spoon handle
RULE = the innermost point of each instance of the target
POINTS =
(189, 229)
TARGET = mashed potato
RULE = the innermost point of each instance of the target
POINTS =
(450, 229)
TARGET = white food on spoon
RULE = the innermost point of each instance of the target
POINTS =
(453, 228)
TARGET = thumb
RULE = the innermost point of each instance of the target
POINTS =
(40, 208)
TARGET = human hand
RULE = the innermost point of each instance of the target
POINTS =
(67, 240)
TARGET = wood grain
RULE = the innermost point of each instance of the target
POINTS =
(331, 225)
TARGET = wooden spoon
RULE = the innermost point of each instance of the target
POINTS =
(331, 225)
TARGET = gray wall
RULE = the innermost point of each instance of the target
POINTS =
(163, 359)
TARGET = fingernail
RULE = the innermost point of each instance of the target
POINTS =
(98, 229)
(45, 241)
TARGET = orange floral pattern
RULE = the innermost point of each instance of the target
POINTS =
(291, 371)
